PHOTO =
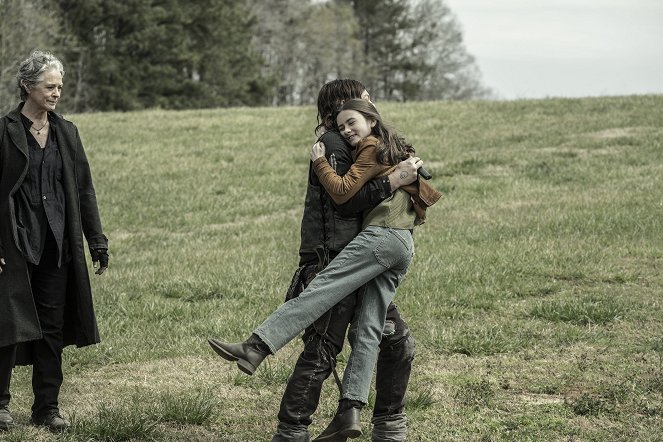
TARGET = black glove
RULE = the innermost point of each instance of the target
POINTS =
(300, 280)
(99, 256)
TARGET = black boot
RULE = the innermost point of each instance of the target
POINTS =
(345, 424)
(6, 420)
(248, 354)
(53, 421)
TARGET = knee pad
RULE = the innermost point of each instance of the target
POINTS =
(397, 335)
(389, 328)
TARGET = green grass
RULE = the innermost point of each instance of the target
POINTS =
(534, 296)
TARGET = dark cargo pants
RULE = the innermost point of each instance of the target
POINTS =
(322, 343)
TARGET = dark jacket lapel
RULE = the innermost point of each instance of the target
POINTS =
(16, 131)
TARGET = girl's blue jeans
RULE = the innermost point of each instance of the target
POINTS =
(376, 260)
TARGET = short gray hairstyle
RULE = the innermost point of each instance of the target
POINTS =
(32, 68)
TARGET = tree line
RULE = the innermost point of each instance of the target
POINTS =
(180, 54)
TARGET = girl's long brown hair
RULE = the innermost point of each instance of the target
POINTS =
(392, 148)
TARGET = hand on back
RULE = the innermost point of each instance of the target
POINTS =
(405, 172)
(318, 150)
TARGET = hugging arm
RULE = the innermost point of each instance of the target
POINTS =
(369, 196)
(378, 189)
(342, 188)
(338, 155)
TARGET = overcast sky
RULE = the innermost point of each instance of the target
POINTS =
(571, 48)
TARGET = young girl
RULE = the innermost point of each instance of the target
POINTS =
(376, 260)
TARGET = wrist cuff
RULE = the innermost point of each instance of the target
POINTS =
(385, 186)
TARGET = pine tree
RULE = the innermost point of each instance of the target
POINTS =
(135, 54)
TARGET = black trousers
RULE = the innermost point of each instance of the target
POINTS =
(49, 285)
(322, 343)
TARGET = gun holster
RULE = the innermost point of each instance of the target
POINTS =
(302, 278)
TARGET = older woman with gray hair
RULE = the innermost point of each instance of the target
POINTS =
(47, 204)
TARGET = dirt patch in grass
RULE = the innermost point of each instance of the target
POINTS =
(616, 132)
(540, 399)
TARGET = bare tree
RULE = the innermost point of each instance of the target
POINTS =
(305, 44)
(413, 50)
(449, 71)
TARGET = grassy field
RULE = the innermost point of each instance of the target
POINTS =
(535, 295)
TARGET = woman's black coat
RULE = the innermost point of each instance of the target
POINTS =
(18, 316)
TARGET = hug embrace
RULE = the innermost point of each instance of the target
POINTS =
(373, 263)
